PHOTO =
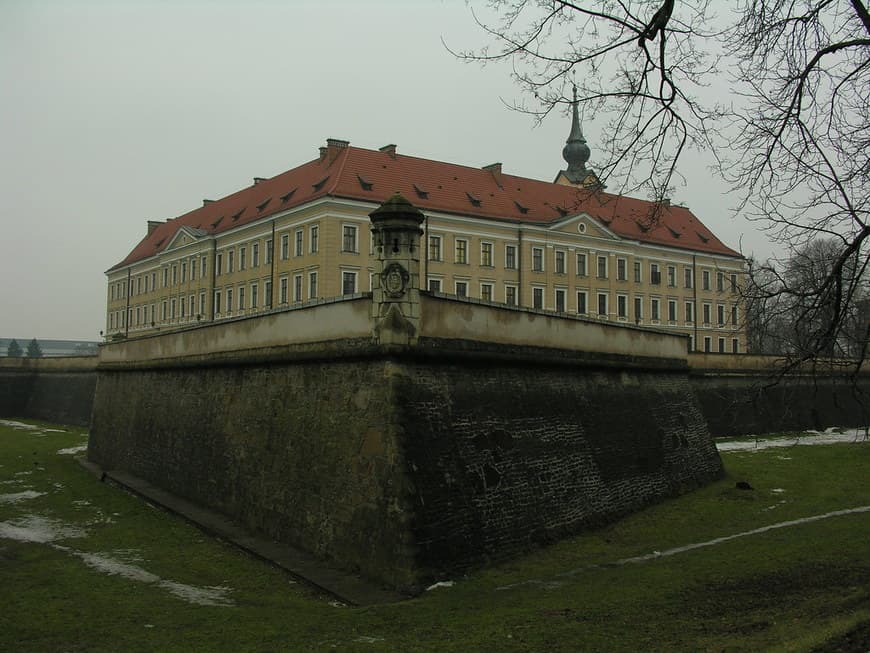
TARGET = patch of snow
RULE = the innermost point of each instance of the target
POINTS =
(23, 473)
(149, 625)
(190, 593)
(443, 583)
(54, 430)
(20, 496)
(198, 595)
(337, 604)
(777, 490)
(365, 639)
(42, 530)
(73, 450)
(809, 437)
(19, 426)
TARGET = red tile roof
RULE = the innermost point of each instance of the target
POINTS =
(373, 176)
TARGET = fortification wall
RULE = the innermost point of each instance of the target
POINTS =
(742, 395)
(57, 390)
(406, 462)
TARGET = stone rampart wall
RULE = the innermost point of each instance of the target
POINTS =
(407, 463)
(57, 390)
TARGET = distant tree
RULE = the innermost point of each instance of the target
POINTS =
(33, 349)
(14, 350)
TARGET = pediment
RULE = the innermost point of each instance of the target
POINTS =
(584, 224)
(184, 236)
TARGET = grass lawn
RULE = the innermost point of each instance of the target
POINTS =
(87, 567)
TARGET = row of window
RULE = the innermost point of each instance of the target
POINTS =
(560, 265)
(723, 315)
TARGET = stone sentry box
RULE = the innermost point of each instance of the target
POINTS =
(405, 456)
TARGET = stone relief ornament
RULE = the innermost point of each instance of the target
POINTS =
(394, 280)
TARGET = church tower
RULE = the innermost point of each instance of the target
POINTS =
(576, 154)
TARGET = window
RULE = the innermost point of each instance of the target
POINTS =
(687, 277)
(462, 289)
(720, 281)
(720, 315)
(267, 255)
(314, 238)
(486, 292)
(163, 311)
(510, 295)
(231, 255)
(219, 264)
(255, 255)
(560, 300)
(655, 276)
(672, 310)
(690, 312)
(312, 285)
(241, 294)
(154, 275)
(138, 315)
(510, 257)
(537, 259)
(705, 280)
(622, 306)
(349, 242)
(192, 272)
(654, 313)
(201, 304)
(672, 276)
(282, 290)
(434, 285)
(285, 247)
(538, 298)
(172, 304)
(297, 288)
(255, 291)
(299, 243)
(602, 267)
(733, 283)
(582, 299)
(267, 294)
(707, 344)
(602, 304)
(621, 271)
(192, 303)
(721, 345)
(707, 310)
(735, 346)
(638, 274)
(734, 315)
(348, 283)
(638, 309)
(461, 250)
(434, 248)
(174, 275)
(581, 265)
(560, 261)
(229, 300)
(243, 253)
(486, 255)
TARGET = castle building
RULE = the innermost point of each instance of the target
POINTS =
(303, 236)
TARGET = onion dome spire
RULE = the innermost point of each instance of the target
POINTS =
(576, 152)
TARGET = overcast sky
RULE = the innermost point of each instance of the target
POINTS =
(116, 112)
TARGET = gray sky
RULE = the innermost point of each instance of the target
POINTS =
(117, 112)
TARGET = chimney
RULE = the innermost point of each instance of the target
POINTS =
(389, 149)
(205, 202)
(495, 169)
(333, 148)
(152, 225)
(257, 180)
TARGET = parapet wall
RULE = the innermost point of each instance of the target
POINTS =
(59, 390)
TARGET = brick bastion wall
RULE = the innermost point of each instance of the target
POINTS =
(57, 390)
(406, 461)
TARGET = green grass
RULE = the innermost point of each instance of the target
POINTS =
(790, 589)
